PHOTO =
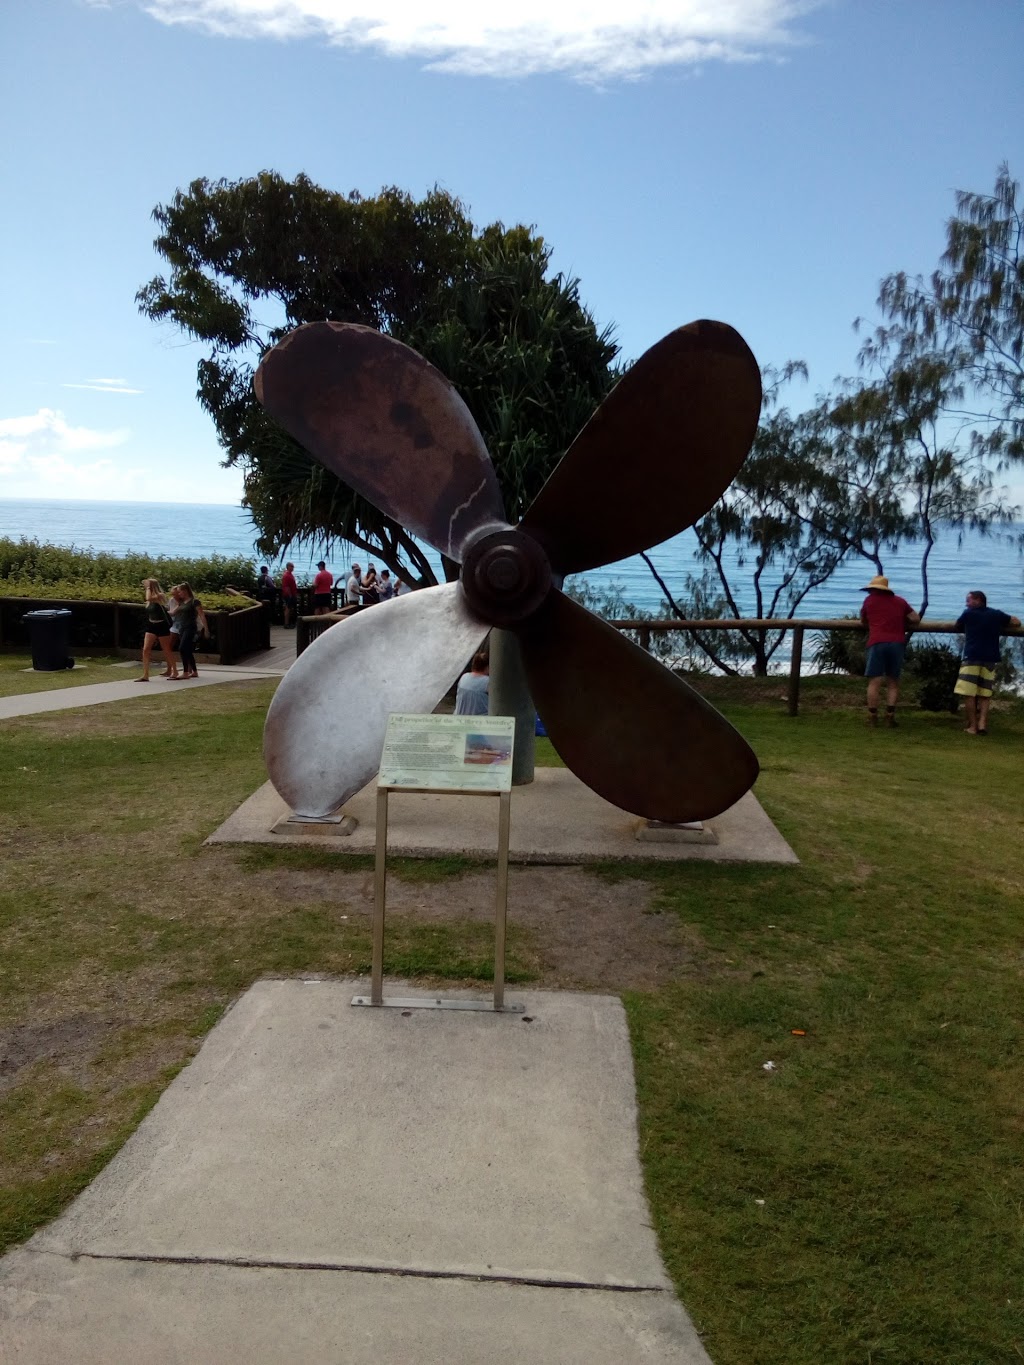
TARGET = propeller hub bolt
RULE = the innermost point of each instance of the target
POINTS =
(506, 576)
(502, 570)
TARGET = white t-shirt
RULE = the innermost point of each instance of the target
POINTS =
(352, 590)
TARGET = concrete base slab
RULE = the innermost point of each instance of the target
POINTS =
(555, 819)
(309, 1131)
(329, 1183)
(127, 1312)
(655, 832)
(338, 826)
(78, 664)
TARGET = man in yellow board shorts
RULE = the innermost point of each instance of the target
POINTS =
(982, 626)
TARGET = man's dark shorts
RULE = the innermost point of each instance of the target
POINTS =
(885, 661)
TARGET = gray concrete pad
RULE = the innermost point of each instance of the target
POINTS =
(90, 1312)
(331, 1183)
(309, 1130)
(555, 819)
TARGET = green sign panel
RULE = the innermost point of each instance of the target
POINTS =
(448, 753)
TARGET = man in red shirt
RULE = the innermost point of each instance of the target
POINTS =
(886, 617)
(289, 594)
(323, 582)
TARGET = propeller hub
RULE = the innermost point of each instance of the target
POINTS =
(505, 576)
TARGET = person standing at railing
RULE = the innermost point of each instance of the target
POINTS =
(323, 582)
(265, 586)
(289, 595)
(369, 590)
(886, 617)
(352, 598)
(982, 626)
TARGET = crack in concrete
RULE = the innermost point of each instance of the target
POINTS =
(354, 1268)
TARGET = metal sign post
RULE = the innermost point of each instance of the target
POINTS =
(444, 755)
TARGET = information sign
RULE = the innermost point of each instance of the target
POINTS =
(448, 753)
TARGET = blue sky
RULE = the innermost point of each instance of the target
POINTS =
(765, 162)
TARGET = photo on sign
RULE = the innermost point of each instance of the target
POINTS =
(488, 749)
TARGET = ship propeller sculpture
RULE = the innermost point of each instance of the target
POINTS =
(654, 457)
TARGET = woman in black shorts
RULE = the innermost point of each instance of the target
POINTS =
(158, 627)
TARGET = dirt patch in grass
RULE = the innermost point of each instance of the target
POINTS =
(590, 933)
(26, 1044)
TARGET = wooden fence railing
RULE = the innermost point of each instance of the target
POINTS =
(645, 629)
(119, 627)
(307, 628)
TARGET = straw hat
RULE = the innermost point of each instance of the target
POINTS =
(878, 584)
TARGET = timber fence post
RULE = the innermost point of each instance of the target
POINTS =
(794, 670)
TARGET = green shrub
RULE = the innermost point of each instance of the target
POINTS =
(934, 668)
(30, 561)
(841, 651)
(81, 590)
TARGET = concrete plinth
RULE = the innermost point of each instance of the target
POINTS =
(555, 819)
(657, 832)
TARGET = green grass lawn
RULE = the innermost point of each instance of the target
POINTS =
(862, 1201)
(17, 674)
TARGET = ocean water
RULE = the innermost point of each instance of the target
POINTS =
(992, 563)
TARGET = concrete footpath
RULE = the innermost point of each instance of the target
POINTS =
(333, 1184)
(94, 694)
(268, 663)
(126, 689)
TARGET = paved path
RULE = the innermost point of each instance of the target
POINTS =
(332, 1184)
(271, 663)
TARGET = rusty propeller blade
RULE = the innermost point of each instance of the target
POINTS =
(389, 424)
(324, 731)
(625, 725)
(660, 450)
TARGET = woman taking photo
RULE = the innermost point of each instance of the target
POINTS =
(158, 627)
(369, 589)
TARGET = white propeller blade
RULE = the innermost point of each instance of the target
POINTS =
(325, 728)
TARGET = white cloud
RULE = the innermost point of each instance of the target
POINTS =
(45, 445)
(588, 39)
